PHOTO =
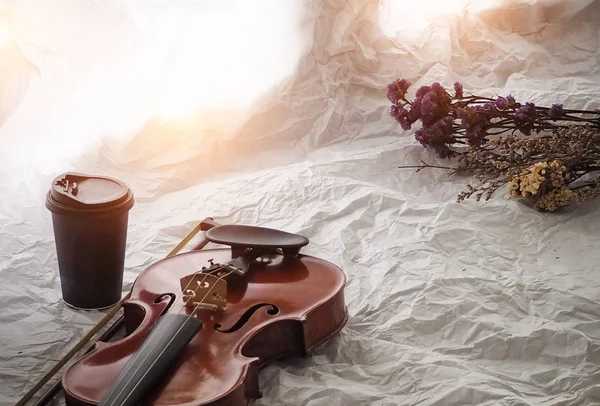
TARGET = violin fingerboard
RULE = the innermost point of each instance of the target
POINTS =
(164, 344)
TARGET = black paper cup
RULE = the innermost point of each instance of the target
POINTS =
(90, 215)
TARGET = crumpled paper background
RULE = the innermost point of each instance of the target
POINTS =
(485, 303)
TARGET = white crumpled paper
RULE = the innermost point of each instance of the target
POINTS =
(484, 303)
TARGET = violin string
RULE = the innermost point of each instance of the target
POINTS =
(180, 328)
(173, 322)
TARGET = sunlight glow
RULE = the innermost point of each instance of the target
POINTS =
(411, 18)
(5, 32)
(229, 56)
(192, 67)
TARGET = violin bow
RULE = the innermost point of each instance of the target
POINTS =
(202, 226)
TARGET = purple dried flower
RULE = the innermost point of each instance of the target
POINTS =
(441, 95)
(501, 103)
(525, 112)
(437, 137)
(556, 111)
(443, 128)
(447, 120)
(490, 107)
(422, 91)
(433, 102)
(400, 114)
(415, 111)
(476, 121)
(476, 135)
(525, 118)
(428, 105)
(420, 136)
(458, 90)
(397, 90)
(438, 88)
(473, 117)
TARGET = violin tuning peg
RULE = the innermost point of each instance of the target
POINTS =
(211, 261)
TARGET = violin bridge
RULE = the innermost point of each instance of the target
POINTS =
(204, 290)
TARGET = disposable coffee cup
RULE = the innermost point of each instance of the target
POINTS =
(90, 215)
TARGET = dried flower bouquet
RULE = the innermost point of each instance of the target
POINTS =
(547, 156)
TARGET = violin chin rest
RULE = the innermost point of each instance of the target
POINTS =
(242, 236)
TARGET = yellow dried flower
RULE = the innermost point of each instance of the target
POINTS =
(544, 184)
(555, 199)
(542, 170)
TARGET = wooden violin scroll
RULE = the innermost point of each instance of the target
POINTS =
(221, 314)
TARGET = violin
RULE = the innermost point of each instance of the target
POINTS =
(200, 325)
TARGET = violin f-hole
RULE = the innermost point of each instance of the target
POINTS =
(246, 316)
(164, 296)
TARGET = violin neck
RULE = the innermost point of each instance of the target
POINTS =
(164, 344)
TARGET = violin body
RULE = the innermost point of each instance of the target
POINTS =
(280, 308)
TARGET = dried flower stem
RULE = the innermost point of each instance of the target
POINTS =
(543, 170)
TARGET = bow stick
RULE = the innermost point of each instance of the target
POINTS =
(202, 226)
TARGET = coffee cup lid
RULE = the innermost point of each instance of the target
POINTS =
(86, 192)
